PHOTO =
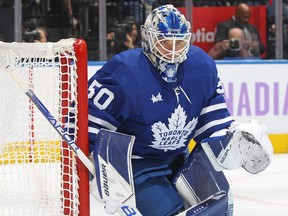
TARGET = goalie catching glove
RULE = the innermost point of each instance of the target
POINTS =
(241, 145)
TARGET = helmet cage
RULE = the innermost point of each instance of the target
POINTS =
(166, 23)
(176, 53)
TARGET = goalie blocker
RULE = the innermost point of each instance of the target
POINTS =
(243, 145)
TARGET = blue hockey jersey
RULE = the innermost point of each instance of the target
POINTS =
(128, 95)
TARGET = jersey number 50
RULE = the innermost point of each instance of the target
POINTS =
(105, 94)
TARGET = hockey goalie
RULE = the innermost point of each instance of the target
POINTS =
(145, 105)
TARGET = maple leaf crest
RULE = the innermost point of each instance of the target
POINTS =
(175, 135)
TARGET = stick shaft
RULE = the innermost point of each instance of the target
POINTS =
(57, 126)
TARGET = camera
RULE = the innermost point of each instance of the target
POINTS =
(120, 30)
(234, 44)
(31, 36)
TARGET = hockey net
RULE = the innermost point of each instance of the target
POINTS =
(39, 174)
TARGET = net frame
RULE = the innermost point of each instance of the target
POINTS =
(75, 202)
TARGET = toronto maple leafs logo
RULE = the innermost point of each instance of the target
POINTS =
(156, 98)
(175, 134)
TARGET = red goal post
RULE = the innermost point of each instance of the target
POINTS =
(39, 173)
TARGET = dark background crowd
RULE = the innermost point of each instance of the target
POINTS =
(80, 18)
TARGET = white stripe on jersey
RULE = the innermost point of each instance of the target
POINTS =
(101, 122)
(211, 124)
(213, 108)
(93, 130)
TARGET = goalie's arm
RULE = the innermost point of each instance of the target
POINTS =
(241, 145)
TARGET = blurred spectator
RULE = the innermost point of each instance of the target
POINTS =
(6, 3)
(123, 36)
(234, 47)
(202, 3)
(176, 3)
(73, 21)
(43, 34)
(33, 34)
(240, 20)
(29, 34)
(271, 29)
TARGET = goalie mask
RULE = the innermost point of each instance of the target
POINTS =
(166, 39)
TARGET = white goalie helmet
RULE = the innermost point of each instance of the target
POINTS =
(166, 39)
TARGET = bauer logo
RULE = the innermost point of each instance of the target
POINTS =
(105, 179)
(224, 156)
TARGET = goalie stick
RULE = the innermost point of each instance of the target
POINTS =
(57, 126)
(123, 210)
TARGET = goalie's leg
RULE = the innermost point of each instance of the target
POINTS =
(154, 193)
(114, 179)
(197, 180)
(155, 196)
(214, 205)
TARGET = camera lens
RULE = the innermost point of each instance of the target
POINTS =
(234, 44)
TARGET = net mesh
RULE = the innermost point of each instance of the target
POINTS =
(37, 169)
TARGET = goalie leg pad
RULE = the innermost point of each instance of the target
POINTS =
(154, 193)
(216, 204)
(197, 180)
(114, 177)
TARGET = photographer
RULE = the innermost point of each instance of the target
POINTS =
(252, 41)
(33, 34)
(234, 47)
(124, 36)
(44, 35)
